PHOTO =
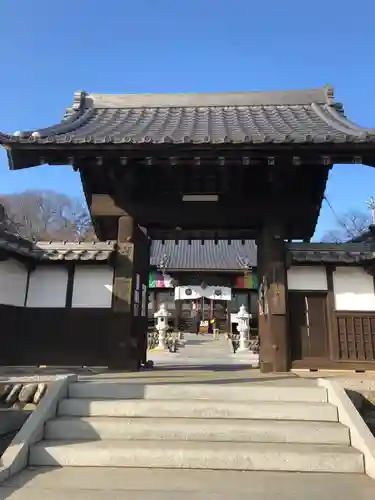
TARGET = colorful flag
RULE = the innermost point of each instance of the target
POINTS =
(248, 280)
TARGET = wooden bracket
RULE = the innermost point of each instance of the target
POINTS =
(331, 268)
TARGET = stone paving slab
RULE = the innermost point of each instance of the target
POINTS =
(199, 376)
(197, 373)
(158, 484)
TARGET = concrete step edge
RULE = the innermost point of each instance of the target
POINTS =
(213, 455)
(193, 422)
(199, 409)
(65, 428)
(263, 392)
(125, 444)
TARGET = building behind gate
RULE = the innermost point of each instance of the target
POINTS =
(246, 166)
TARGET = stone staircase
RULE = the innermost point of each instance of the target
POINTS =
(258, 427)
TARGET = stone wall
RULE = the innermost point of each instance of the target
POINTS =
(17, 402)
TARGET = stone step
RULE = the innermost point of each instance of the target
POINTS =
(110, 390)
(164, 484)
(198, 455)
(198, 409)
(169, 429)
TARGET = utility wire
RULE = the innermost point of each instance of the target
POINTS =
(338, 219)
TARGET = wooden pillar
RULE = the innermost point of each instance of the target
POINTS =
(331, 313)
(128, 336)
(177, 318)
(273, 317)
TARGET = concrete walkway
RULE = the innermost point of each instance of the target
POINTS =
(203, 350)
(158, 484)
(233, 373)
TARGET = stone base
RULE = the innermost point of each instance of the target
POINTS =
(161, 348)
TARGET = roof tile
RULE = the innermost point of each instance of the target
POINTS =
(210, 255)
(238, 117)
(221, 255)
(237, 255)
(58, 251)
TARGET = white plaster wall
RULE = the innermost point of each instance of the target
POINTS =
(47, 287)
(13, 283)
(354, 289)
(307, 278)
(92, 286)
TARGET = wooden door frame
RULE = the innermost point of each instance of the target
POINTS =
(314, 360)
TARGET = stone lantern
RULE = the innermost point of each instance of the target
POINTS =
(161, 326)
(243, 326)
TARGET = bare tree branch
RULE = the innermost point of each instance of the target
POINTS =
(47, 215)
(349, 226)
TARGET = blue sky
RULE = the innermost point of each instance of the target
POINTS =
(52, 49)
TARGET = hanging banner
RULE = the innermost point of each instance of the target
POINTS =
(248, 280)
(187, 292)
(217, 293)
(196, 292)
(263, 299)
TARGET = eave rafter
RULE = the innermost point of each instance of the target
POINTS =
(23, 157)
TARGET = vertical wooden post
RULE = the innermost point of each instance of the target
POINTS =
(273, 323)
(70, 286)
(331, 314)
(177, 317)
(122, 346)
(128, 336)
(142, 259)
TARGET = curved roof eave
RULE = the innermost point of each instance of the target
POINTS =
(300, 117)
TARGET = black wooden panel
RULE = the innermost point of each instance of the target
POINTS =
(52, 336)
(356, 332)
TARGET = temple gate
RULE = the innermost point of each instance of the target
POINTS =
(248, 165)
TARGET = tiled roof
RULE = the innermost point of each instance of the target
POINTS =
(76, 250)
(213, 255)
(195, 255)
(344, 253)
(58, 251)
(299, 116)
(233, 257)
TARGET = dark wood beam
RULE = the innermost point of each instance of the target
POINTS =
(197, 215)
(224, 234)
(197, 150)
(29, 154)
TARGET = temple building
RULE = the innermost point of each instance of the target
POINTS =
(52, 319)
(215, 278)
(185, 190)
